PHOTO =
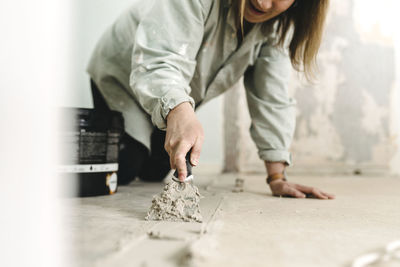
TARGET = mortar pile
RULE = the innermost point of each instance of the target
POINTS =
(175, 203)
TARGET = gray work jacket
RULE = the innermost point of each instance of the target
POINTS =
(160, 53)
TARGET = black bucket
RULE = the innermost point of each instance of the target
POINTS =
(89, 142)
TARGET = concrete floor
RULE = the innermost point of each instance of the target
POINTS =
(250, 228)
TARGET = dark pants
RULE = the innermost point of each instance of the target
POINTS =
(135, 160)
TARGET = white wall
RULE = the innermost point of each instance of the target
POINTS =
(92, 17)
(346, 120)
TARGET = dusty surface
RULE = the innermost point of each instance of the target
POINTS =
(250, 228)
(176, 202)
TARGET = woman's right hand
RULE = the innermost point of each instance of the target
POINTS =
(184, 132)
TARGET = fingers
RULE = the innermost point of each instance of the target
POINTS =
(330, 196)
(313, 192)
(290, 191)
(178, 158)
(196, 150)
(280, 188)
(177, 152)
(180, 163)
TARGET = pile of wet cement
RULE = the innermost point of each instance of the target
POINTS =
(175, 203)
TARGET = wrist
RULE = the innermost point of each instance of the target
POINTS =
(276, 177)
(182, 107)
(274, 167)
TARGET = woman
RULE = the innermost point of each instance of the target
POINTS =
(162, 59)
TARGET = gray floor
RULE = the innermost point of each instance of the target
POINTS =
(250, 228)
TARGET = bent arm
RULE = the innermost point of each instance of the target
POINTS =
(163, 57)
(271, 108)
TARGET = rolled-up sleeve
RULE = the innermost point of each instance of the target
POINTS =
(163, 58)
(271, 109)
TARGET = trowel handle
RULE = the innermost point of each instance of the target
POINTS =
(188, 166)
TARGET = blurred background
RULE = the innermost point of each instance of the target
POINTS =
(348, 121)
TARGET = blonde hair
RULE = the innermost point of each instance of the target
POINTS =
(305, 21)
(242, 6)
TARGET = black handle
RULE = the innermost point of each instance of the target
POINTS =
(188, 166)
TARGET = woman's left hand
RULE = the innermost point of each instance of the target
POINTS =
(286, 189)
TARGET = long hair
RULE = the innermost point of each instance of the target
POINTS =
(304, 21)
